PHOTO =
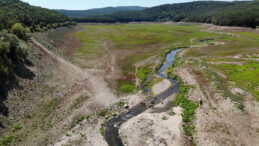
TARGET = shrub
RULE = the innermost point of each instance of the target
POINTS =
(164, 118)
(102, 130)
(103, 112)
(17, 127)
(19, 30)
(67, 134)
(121, 103)
(7, 140)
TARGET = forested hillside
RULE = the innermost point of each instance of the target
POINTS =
(82, 13)
(220, 13)
(243, 14)
(15, 11)
(16, 20)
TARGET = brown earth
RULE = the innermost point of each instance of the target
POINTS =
(218, 121)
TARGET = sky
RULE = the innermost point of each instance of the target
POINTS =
(89, 4)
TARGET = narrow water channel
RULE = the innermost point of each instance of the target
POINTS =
(113, 125)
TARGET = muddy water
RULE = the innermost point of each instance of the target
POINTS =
(113, 125)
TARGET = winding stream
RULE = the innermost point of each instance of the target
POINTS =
(113, 125)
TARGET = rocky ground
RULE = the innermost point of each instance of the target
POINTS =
(218, 120)
(155, 128)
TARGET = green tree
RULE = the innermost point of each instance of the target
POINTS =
(19, 30)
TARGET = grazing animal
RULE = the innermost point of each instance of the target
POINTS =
(200, 101)
(152, 101)
(151, 105)
(143, 104)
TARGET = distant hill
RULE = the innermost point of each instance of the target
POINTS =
(245, 13)
(82, 13)
(15, 11)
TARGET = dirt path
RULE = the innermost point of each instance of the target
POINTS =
(112, 62)
(97, 86)
(63, 64)
(86, 83)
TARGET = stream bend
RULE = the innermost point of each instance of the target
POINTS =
(112, 127)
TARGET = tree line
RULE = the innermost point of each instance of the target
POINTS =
(36, 18)
(238, 13)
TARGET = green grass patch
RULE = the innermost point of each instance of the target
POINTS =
(188, 106)
(222, 85)
(17, 127)
(126, 87)
(7, 140)
(142, 73)
(245, 76)
(102, 130)
(102, 127)
(189, 109)
(121, 103)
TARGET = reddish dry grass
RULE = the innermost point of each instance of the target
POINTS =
(71, 43)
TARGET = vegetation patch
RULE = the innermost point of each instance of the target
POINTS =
(7, 140)
(103, 112)
(222, 86)
(17, 127)
(126, 87)
(102, 127)
(78, 121)
(69, 135)
(79, 102)
(142, 73)
(164, 118)
(245, 76)
(188, 106)
(51, 105)
(121, 103)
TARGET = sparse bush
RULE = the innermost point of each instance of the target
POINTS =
(80, 119)
(67, 134)
(103, 112)
(79, 102)
(83, 135)
(171, 113)
(164, 118)
(7, 140)
(121, 103)
(17, 127)
(102, 130)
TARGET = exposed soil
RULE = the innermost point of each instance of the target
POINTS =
(94, 86)
(218, 120)
(227, 28)
(161, 87)
(155, 128)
